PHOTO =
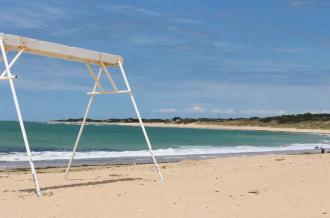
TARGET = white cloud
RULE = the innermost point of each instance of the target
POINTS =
(325, 111)
(20, 21)
(167, 110)
(297, 3)
(126, 9)
(223, 111)
(147, 40)
(255, 112)
(195, 109)
(33, 16)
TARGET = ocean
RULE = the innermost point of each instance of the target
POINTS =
(53, 142)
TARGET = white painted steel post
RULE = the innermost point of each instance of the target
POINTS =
(13, 61)
(20, 118)
(83, 123)
(140, 119)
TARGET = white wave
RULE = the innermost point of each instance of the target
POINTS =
(320, 134)
(187, 150)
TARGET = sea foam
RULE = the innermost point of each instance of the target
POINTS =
(183, 151)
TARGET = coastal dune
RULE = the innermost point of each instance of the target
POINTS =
(245, 186)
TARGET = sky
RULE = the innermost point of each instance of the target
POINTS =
(184, 58)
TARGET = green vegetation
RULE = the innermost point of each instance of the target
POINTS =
(303, 121)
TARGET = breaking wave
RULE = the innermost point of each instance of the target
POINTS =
(180, 151)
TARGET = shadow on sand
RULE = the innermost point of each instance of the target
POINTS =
(82, 184)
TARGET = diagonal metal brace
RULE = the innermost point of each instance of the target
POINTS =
(91, 72)
(109, 76)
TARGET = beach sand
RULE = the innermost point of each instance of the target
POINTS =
(223, 127)
(206, 126)
(254, 186)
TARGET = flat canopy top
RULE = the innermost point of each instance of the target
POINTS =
(54, 50)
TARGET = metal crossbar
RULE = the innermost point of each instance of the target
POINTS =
(7, 77)
(109, 92)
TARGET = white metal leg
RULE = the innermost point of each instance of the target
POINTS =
(13, 61)
(140, 120)
(83, 123)
(20, 118)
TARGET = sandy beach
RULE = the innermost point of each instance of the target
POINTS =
(256, 186)
(223, 127)
(206, 126)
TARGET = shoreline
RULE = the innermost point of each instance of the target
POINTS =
(137, 160)
(205, 126)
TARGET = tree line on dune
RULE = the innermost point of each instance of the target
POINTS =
(283, 119)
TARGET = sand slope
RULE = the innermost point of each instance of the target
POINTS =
(259, 186)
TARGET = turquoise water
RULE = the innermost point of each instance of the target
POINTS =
(56, 140)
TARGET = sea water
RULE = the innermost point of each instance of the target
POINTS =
(55, 141)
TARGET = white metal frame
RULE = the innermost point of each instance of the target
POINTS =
(103, 60)
(115, 90)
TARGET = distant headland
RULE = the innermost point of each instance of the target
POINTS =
(306, 122)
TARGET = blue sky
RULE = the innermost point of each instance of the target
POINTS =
(183, 58)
